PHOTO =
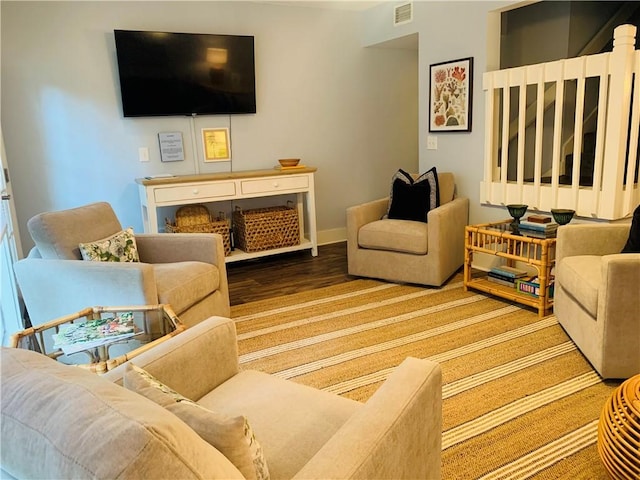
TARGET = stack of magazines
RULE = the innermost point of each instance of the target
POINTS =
(77, 337)
(505, 275)
(539, 227)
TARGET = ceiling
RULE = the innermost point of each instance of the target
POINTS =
(355, 5)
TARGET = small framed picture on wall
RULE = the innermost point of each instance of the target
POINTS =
(451, 96)
(216, 145)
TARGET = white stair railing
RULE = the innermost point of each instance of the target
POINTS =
(614, 192)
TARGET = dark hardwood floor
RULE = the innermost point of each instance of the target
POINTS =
(288, 273)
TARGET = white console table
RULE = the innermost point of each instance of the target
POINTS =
(218, 187)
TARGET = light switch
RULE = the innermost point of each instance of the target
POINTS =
(432, 142)
(143, 154)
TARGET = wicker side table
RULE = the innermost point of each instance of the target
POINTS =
(619, 431)
(157, 324)
(500, 240)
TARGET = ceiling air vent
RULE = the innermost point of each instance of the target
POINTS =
(403, 14)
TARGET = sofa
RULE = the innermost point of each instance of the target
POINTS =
(400, 250)
(185, 270)
(61, 421)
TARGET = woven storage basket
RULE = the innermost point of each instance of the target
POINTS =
(197, 219)
(265, 228)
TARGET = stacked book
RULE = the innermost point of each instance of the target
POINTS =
(538, 226)
(531, 286)
(505, 275)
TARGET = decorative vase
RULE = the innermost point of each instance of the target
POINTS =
(562, 216)
(517, 211)
(619, 431)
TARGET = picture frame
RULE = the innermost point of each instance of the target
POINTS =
(451, 95)
(216, 145)
(171, 146)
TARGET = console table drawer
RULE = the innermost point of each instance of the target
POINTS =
(274, 184)
(195, 191)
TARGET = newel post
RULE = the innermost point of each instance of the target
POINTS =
(621, 75)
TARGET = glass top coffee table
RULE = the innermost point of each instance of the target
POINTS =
(505, 241)
(101, 338)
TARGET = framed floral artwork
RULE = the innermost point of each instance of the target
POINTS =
(451, 95)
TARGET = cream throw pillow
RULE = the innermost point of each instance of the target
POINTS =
(119, 247)
(232, 436)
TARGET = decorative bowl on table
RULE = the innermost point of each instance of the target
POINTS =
(517, 211)
(562, 216)
(289, 162)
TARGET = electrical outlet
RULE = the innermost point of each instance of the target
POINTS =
(432, 142)
(143, 154)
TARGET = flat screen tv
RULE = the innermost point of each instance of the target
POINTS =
(165, 73)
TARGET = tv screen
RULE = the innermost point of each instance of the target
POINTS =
(165, 73)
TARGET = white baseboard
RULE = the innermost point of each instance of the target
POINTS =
(334, 235)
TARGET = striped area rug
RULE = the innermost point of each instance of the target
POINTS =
(519, 401)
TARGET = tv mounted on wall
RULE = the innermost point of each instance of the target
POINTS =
(165, 73)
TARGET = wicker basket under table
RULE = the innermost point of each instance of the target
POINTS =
(198, 219)
(160, 324)
(266, 228)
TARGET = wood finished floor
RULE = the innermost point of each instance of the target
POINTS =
(288, 273)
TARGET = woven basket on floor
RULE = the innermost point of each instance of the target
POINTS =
(619, 431)
(198, 219)
(265, 228)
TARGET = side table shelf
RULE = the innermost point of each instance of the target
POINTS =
(499, 240)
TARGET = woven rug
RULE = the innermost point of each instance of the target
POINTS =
(519, 400)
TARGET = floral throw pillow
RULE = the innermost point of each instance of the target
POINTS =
(119, 247)
(231, 436)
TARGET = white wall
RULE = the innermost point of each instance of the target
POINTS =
(348, 110)
(449, 30)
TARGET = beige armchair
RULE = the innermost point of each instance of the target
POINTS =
(186, 271)
(405, 250)
(597, 296)
(94, 428)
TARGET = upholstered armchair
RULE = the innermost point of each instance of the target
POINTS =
(186, 270)
(61, 422)
(597, 296)
(407, 250)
